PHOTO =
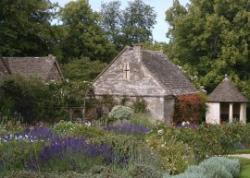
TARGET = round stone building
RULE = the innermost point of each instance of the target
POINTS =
(226, 104)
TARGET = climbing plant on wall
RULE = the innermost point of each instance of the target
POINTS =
(190, 108)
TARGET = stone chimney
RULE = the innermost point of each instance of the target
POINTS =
(137, 48)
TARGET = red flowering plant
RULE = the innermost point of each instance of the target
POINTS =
(190, 108)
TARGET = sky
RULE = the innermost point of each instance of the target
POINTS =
(160, 7)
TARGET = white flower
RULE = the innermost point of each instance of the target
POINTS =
(88, 124)
(160, 132)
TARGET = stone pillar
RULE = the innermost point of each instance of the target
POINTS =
(213, 113)
(243, 113)
(230, 112)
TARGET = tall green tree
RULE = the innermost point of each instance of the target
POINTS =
(129, 26)
(137, 23)
(210, 39)
(111, 21)
(83, 69)
(25, 28)
(83, 35)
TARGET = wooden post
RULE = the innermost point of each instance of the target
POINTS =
(230, 112)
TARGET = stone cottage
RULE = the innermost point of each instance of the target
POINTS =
(226, 104)
(44, 68)
(138, 73)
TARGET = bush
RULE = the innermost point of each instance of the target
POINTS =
(70, 129)
(140, 106)
(143, 119)
(230, 167)
(144, 171)
(121, 112)
(175, 155)
(215, 167)
(29, 99)
(190, 108)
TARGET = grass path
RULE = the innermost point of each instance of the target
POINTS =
(244, 164)
(245, 167)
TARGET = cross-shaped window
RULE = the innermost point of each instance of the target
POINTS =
(126, 71)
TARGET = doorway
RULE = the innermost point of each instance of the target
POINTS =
(224, 112)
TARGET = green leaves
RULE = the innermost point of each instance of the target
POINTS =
(83, 69)
(211, 38)
(25, 27)
(129, 26)
(83, 35)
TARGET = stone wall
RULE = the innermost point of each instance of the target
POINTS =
(213, 113)
(140, 82)
(169, 107)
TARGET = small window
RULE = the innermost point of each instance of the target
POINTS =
(126, 71)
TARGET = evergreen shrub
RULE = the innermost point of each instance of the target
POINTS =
(121, 112)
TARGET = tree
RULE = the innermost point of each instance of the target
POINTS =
(82, 69)
(111, 21)
(210, 39)
(25, 28)
(83, 35)
(137, 23)
(30, 99)
(129, 26)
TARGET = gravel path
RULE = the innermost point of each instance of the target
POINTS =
(241, 155)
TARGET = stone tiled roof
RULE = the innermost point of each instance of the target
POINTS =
(167, 73)
(226, 91)
(40, 67)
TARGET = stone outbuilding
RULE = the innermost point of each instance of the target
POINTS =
(138, 73)
(45, 68)
(226, 104)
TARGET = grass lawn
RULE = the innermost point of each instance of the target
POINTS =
(245, 168)
(241, 151)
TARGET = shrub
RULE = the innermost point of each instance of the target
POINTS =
(140, 106)
(127, 128)
(70, 129)
(71, 154)
(121, 112)
(175, 155)
(144, 171)
(143, 119)
(32, 174)
(190, 108)
(218, 167)
(29, 99)
(224, 167)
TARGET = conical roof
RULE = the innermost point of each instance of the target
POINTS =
(226, 91)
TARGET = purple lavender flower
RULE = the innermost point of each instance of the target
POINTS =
(127, 128)
(62, 146)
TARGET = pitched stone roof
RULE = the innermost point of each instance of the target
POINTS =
(41, 67)
(226, 91)
(167, 73)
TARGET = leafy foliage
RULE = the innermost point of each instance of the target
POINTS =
(121, 112)
(216, 43)
(213, 167)
(83, 69)
(130, 26)
(140, 105)
(29, 99)
(83, 37)
(175, 155)
(25, 28)
(190, 108)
